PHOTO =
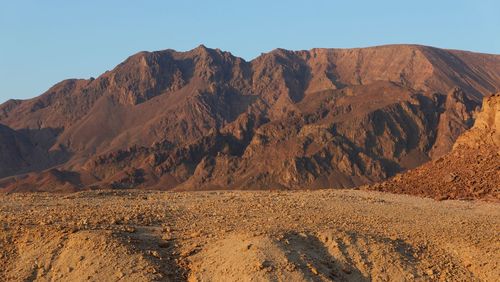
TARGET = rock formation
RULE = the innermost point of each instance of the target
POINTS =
(205, 119)
(471, 170)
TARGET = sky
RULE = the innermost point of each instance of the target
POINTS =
(44, 42)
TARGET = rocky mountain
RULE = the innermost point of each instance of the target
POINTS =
(470, 171)
(205, 119)
(26, 150)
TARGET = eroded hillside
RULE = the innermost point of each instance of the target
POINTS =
(470, 171)
(205, 119)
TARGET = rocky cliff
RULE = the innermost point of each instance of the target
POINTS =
(471, 170)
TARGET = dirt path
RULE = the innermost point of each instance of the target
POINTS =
(338, 235)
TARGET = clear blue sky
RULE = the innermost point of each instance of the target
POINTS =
(43, 42)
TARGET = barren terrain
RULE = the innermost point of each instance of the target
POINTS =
(322, 235)
(205, 119)
(470, 171)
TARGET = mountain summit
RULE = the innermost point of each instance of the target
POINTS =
(205, 119)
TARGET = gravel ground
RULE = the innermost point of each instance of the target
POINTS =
(323, 235)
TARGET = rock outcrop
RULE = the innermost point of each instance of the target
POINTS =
(470, 171)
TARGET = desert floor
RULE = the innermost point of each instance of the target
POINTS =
(224, 236)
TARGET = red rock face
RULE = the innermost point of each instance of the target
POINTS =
(470, 171)
(204, 119)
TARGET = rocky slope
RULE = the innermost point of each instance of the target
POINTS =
(205, 119)
(471, 170)
(25, 150)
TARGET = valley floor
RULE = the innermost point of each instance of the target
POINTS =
(324, 235)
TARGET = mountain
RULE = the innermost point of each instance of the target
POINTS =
(470, 171)
(26, 150)
(205, 119)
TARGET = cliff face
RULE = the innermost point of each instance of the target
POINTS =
(471, 170)
(205, 119)
(486, 129)
(26, 150)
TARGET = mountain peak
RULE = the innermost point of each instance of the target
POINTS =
(202, 50)
(201, 47)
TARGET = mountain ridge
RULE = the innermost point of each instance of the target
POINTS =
(343, 112)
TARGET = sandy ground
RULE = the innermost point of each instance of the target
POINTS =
(339, 235)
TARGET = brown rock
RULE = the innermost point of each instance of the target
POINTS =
(205, 119)
(470, 171)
